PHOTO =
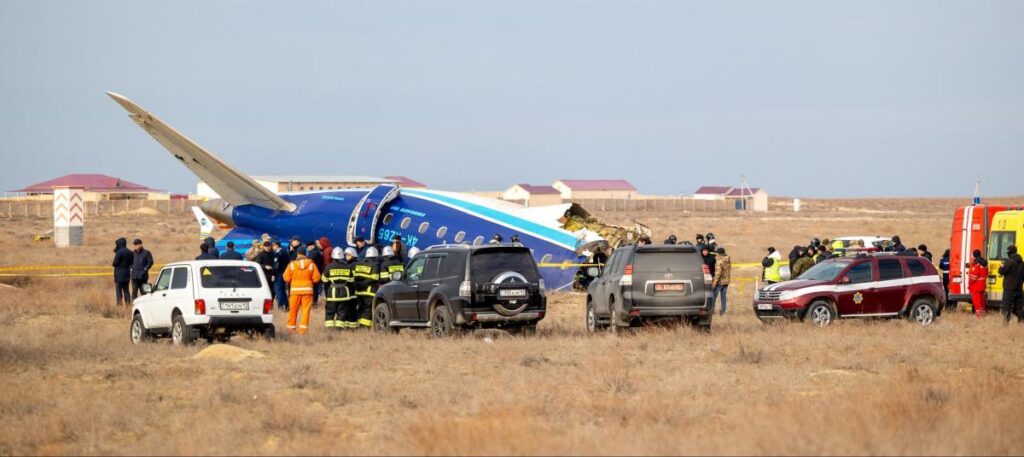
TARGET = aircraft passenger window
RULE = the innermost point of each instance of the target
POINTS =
(460, 236)
(424, 226)
(478, 241)
(388, 218)
(546, 258)
(405, 223)
(441, 232)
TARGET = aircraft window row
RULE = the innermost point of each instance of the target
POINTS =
(388, 218)
(460, 236)
(424, 226)
(406, 222)
(441, 232)
(478, 241)
(546, 258)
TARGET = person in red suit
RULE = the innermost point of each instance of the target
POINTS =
(977, 280)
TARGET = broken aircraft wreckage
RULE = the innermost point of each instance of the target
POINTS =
(560, 236)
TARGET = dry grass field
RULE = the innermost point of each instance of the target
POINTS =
(73, 383)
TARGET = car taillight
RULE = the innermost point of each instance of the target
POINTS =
(541, 288)
(707, 276)
(268, 305)
(466, 289)
(200, 306)
(627, 276)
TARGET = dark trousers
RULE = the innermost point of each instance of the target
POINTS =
(123, 296)
(281, 294)
(137, 287)
(1013, 303)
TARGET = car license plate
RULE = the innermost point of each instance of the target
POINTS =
(512, 293)
(234, 306)
(669, 287)
(764, 306)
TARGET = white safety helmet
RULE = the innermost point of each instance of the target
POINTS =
(337, 253)
(371, 253)
(413, 252)
(387, 251)
(352, 252)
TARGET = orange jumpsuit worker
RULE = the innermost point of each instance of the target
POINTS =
(300, 274)
(977, 280)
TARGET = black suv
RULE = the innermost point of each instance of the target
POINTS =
(448, 288)
(650, 283)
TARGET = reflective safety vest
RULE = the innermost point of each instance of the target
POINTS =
(838, 248)
(337, 277)
(367, 275)
(388, 267)
(772, 273)
(301, 274)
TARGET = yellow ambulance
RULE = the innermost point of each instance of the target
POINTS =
(1007, 229)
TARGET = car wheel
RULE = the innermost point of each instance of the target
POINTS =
(182, 334)
(441, 322)
(922, 312)
(269, 332)
(702, 325)
(138, 332)
(382, 318)
(820, 314)
(592, 325)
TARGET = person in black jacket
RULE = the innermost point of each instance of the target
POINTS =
(204, 253)
(316, 255)
(1012, 271)
(281, 261)
(142, 261)
(922, 251)
(230, 253)
(266, 260)
(123, 259)
(708, 257)
(897, 245)
(944, 268)
(212, 247)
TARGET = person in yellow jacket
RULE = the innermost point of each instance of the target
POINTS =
(300, 275)
(337, 277)
(367, 277)
(772, 264)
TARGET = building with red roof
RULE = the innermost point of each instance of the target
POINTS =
(594, 188)
(97, 187)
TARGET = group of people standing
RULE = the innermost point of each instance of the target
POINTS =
(131, 267)
(1012, 271)
(300, 275)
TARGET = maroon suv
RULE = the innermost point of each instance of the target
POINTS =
(874, 285)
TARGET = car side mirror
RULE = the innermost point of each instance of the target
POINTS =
(593, 272)
(844, 280)
(147, 289)
(396, 275)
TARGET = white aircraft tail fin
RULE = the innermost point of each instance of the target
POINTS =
(205, 224)
(232, 185)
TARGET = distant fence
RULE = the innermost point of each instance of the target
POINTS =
(44, 208)
(670, 204)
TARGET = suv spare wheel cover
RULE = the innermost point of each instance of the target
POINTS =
(511, 277)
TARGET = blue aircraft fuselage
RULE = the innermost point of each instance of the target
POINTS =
(421, 217)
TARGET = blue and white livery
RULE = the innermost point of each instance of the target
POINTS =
(421, 217)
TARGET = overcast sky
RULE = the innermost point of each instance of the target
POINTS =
(812, 99)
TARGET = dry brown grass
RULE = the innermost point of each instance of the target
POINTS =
(73, 384)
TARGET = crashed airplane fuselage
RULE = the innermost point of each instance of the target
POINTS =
(421, 217)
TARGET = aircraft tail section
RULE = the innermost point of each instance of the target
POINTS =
(233, 186)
